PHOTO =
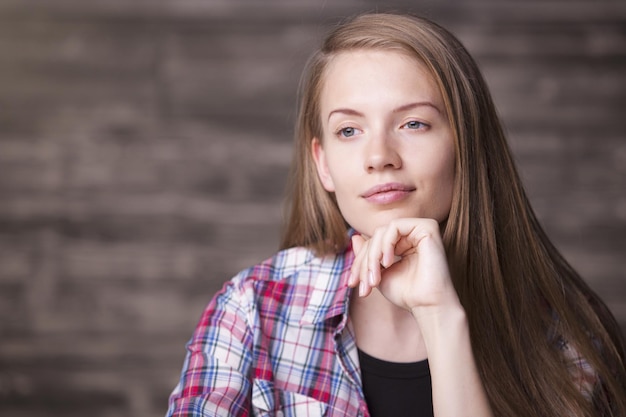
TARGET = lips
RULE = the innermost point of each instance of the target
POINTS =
(387, 193)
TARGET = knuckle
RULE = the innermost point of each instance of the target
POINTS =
(431, 226)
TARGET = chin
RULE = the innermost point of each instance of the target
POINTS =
(366, 227)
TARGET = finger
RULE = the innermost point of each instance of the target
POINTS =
(359, 254)
(370, 271)
(404, 236)
(415, 232)
(374, 256)
(364, 287)
(389, 242)
(357, 243)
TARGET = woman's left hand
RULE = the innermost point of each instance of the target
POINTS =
(406, 261)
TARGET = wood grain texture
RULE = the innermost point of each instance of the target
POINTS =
(144, 148)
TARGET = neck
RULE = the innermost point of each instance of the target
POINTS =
(384, 330)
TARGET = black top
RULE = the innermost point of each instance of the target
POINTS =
(396, 389)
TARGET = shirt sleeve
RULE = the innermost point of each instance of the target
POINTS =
(215, 379)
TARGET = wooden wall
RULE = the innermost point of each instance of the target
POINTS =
(144, 147)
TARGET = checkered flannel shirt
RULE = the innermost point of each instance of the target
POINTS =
(275, 342)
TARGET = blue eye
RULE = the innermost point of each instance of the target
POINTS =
(414, 124)
(347, 132)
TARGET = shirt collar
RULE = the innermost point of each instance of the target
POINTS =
(331, 294)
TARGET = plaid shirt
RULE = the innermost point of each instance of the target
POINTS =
(275, 341)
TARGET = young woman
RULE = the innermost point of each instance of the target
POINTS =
(414, 277)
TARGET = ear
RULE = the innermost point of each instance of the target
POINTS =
(322, 166)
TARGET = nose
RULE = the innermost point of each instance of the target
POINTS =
(382, 153)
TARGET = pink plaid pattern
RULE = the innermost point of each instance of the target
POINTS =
(275, 341)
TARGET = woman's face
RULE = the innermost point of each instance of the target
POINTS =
(387, 149)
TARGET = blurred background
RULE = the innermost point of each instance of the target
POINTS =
(144, 148)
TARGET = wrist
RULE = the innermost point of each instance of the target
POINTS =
(439, 323)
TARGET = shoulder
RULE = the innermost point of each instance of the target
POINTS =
(297, 265)
(295, 284)
(280, 266)
(293, 272)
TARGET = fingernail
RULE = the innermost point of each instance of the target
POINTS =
(370, 277)
(361, 289)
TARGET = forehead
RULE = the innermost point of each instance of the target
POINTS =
(362, 75)
(365, 55)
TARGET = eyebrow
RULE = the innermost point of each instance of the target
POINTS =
(404, 107)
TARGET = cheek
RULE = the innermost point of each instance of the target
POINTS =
(444, 161)
(341, 170)
(440, 169)
(437, 165)
(449, 170)
(447, 177)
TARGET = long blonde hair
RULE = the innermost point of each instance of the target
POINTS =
(521, 297)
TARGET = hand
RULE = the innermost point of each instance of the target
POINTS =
(406, 261)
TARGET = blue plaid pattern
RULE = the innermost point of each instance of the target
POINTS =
(275, 341)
